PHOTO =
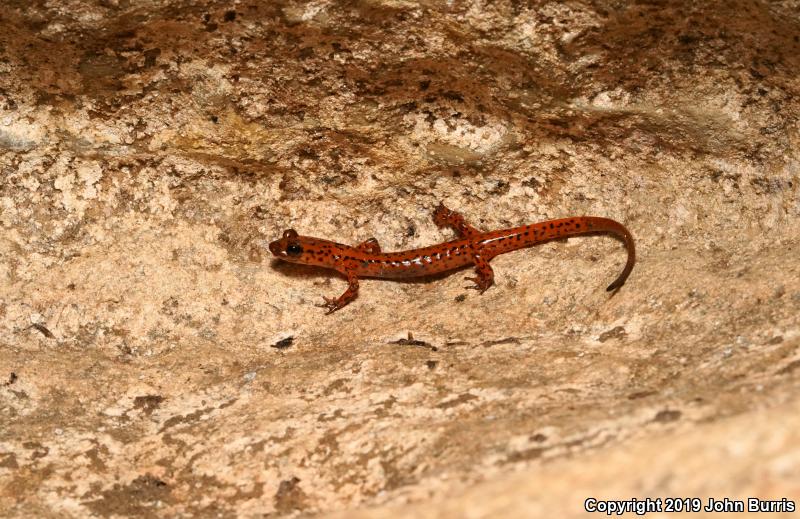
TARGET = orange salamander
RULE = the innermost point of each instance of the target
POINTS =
(472, 247)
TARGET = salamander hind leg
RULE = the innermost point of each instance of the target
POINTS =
(444, 217)
(485, 274)
(333, 304)
(370, 246)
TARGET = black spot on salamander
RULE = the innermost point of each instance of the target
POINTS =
(551, 225)
(577, 226)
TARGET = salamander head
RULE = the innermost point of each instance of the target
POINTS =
(289, 247)
(306, 250)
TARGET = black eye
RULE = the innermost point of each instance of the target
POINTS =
(294, 249)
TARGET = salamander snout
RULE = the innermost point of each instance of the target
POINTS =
(275, 248)
(288, 246)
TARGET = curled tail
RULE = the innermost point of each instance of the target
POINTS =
(598, 224)
(577, 225)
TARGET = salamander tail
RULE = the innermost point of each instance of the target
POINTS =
(619, 230)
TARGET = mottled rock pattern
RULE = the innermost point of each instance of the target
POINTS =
(155, 361)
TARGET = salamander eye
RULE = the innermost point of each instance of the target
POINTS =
(289, 233)
(294, 249)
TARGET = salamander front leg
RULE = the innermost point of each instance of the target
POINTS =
(370, 246)
(444, 217)
(333, 304)
(485, 274)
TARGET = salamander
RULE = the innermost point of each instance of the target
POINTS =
(471, 247)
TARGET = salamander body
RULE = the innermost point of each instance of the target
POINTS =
(471, 247)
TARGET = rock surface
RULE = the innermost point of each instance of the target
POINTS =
(155, 361)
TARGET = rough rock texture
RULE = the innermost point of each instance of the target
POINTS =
(155, 361)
